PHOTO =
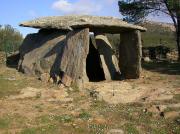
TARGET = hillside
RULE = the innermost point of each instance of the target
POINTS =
(159, 33)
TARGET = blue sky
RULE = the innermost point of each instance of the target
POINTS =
(15, 11)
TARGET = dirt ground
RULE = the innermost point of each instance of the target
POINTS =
(149, 105)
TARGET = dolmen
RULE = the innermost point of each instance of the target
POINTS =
(75, 49)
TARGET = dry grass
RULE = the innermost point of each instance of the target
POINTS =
(83, 114)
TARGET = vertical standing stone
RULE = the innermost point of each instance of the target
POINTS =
(130, 53)
(108, 58)
(73, 62)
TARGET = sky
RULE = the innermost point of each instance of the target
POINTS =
(15, 11)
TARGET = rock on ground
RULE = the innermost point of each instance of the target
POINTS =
(50, 95)
(116, 92)
(126, 92)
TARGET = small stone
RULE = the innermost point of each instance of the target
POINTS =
(147, 59)
(154, 109)
(11, 79)
(145, 110)
(177, 121)
(174, 105)
(67, 100)
(94, 94)
(66, 80)
(28, 92)
(172, 114)
(100, 121)
(75, 125)
(44, 77)
(61, 86)
(161, 107)
(51, 80)
(115, 131)
(70, 89)
(58, 79)
(75, 114)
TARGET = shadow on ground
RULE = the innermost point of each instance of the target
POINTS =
(164, 67)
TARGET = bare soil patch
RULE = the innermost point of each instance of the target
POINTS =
(147, 105)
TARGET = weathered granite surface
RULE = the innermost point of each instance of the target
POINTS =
(94, 23)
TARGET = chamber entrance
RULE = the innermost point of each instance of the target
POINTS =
(94, 68)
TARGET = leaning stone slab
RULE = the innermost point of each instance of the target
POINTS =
(73, 62)
(108, 58)
(40, 53)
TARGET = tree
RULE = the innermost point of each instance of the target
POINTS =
(10, 39)
(137, 10)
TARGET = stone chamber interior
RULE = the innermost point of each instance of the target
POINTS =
(94, 68)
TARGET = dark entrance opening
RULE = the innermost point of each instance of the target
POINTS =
(94, 68)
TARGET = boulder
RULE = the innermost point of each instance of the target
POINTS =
(59, 54)
(40, 53)
(130, 54)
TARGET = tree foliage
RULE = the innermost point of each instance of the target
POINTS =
(10, 39)
(137, 10)
(134, 12)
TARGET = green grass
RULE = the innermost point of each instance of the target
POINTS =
(133, 120)
(164, 67)
(39, 107)
(84, 115)
(47, 119)
(64, 118)
(154, 39)
(8, 121)
(128, 117)
(97, 128)
(159, 131)
(130, 129)
(177, 97)
(29, 131)
(48, 129)
(156, 35)
(11, 82)
(9, 87)
(44, 119)
(4, 122)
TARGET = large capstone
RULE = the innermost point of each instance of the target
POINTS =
(72, 22)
